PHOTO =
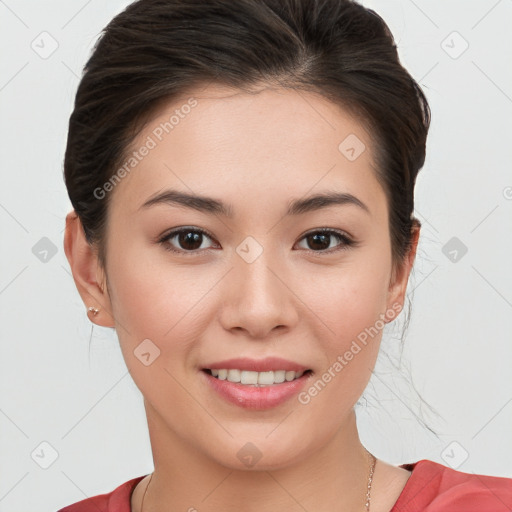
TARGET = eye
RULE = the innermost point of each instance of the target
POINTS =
(320, 240)
(188, 240)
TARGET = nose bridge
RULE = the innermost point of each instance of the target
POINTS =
(260, 300)
(256, 267)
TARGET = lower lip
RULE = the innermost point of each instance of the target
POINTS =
(254, 397)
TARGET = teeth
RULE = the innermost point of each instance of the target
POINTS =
(249, 377)
(256, 378)
(234, 375)
(266, 378)
(279, 376)
(289, 376)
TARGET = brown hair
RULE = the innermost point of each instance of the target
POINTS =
(155, 50)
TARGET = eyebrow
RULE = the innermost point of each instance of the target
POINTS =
(216, 207)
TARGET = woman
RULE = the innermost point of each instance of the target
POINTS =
(242, 176)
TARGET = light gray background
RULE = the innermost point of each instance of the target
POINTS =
(90, 415)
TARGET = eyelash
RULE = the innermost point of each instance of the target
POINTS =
(342, 237)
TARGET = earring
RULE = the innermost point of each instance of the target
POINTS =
(93, 310)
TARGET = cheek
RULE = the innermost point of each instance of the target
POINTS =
(351, 306)
(152, 302)
(348, 300)
(155, 299)
(352, 309)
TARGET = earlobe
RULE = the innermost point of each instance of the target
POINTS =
(86, 272)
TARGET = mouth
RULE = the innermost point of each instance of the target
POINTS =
(253, 390)
(255, 379)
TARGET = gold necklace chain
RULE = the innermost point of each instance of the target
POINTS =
(373, 460)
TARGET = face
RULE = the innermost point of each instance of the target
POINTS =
(258, 271)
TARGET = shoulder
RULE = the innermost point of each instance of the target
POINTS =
(433, 487)
(116, 501)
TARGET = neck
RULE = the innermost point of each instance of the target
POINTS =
(332, 477)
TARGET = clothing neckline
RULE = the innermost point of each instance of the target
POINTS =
(397, 506)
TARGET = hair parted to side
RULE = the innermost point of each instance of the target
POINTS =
(157, 50)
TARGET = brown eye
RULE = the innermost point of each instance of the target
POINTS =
(185, 240)
(320, 240)
(189, 240)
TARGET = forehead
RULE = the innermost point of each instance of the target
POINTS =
(248, 146)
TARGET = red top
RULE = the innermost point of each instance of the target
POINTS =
(432, 487)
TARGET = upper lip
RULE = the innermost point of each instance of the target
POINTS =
(257, 365)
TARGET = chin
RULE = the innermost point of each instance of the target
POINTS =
(260, 453)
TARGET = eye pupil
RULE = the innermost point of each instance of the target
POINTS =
(319, 237)
(187, 237)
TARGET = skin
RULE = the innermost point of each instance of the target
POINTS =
(255, 152)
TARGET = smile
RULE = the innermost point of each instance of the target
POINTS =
(252, 378)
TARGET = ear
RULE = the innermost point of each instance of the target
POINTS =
(400, 277)
(89, 277)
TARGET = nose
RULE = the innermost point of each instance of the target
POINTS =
(259, 298)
